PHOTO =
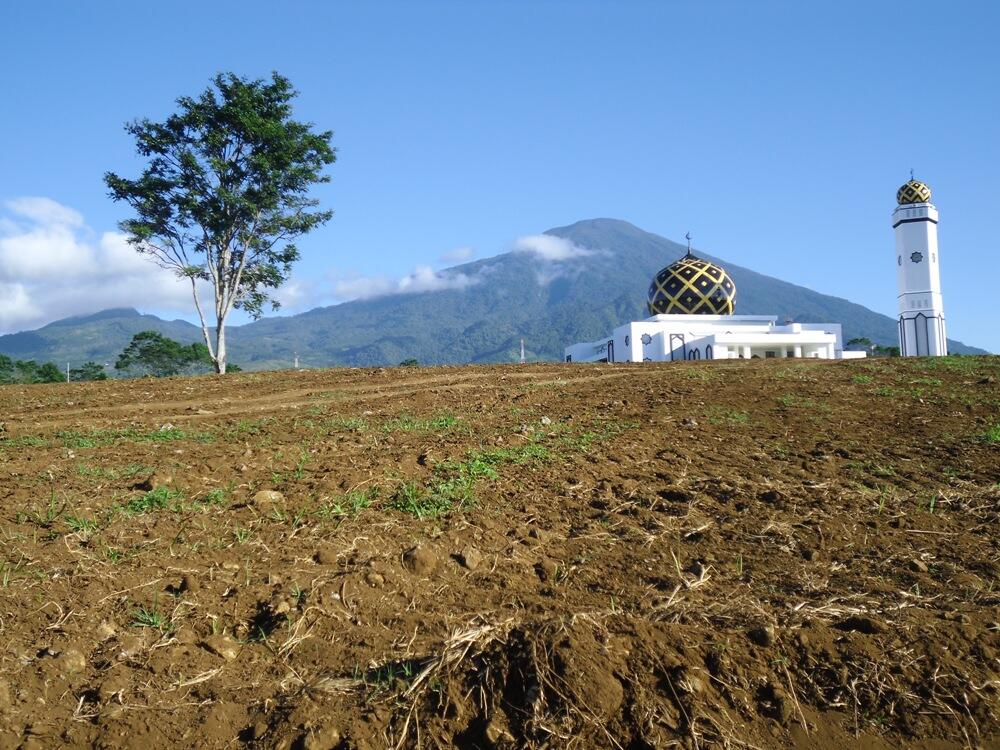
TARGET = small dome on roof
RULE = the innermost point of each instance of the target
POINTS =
(913, 191)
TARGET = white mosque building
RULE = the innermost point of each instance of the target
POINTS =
(692, 300)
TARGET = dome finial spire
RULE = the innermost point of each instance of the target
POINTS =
(688, 238)
(911, 173)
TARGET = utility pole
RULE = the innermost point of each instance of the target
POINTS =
(67, 372)
(296, 360)
(522, 351)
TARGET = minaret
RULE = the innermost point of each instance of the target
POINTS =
(918, 274)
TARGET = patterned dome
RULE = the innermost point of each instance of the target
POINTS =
(692, 286)
(913, 191)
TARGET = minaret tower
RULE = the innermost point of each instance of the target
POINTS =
(918, 274)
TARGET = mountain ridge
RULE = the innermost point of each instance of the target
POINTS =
(551, 303)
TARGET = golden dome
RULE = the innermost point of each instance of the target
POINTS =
(692, 286)
(913, 191)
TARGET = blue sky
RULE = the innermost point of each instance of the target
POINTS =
(776, 132)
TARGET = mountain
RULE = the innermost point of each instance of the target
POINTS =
(599, 283)
(98, 337)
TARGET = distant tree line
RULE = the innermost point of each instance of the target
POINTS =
(873, 349)
(149, 354)
(28, 371)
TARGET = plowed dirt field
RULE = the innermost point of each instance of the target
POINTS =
(736, 554)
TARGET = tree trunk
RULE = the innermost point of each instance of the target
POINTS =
(220, 346)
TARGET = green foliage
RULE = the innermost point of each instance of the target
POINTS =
(224, 192)
(992, 435)
(406, 423)
(158, 499)
(88, 371)
(97, 438)
(29, 371)
(152, 353)
(151, 617)
(409, 363)
(349, 504)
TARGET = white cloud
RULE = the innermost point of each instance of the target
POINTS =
(51, 266)
(458, 255)
(550, 248)
(421, 279)
(45, 211)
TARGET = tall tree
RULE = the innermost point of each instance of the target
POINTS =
(225, 193)
(152, 353)
(88, 371)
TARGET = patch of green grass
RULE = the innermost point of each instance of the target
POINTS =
(732, 417)
(158, 499)
(393, 677)
(699, 372)
(215, 497)
(151, 617)
(46, 517)
(992, 435)
(82, 526)
(99, 438)
(406, 423)
(242, 535)
(350, 424)
(245, 427)
(25, 441)
(880, 470)
(862, 379)
(349, 504)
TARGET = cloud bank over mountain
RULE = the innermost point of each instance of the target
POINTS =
(53, 265)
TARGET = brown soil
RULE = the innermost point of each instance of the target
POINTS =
(734, 554)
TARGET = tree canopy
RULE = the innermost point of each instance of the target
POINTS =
(152, 353)
(88, 371)
(224, 193)
(29, 371)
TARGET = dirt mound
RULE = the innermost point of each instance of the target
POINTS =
(713, 554)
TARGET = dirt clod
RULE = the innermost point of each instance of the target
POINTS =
(71, 661)
(420, 560)
(547, 569)
(221, 645)
(763, 636)
(266, 498)
(470, 558)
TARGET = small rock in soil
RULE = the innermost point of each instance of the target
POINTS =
(470, 558)
(325, 556)
(154, 481)
(321, 739)
(268, 497)
(373, 579)
(420, 560)
(221, 645)
(918, 566)
(72, 661)
(859, 624)
(546, 568)
(545, 421)
(763, 637)
(105, 630)
(189, 583)
(129, 646)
